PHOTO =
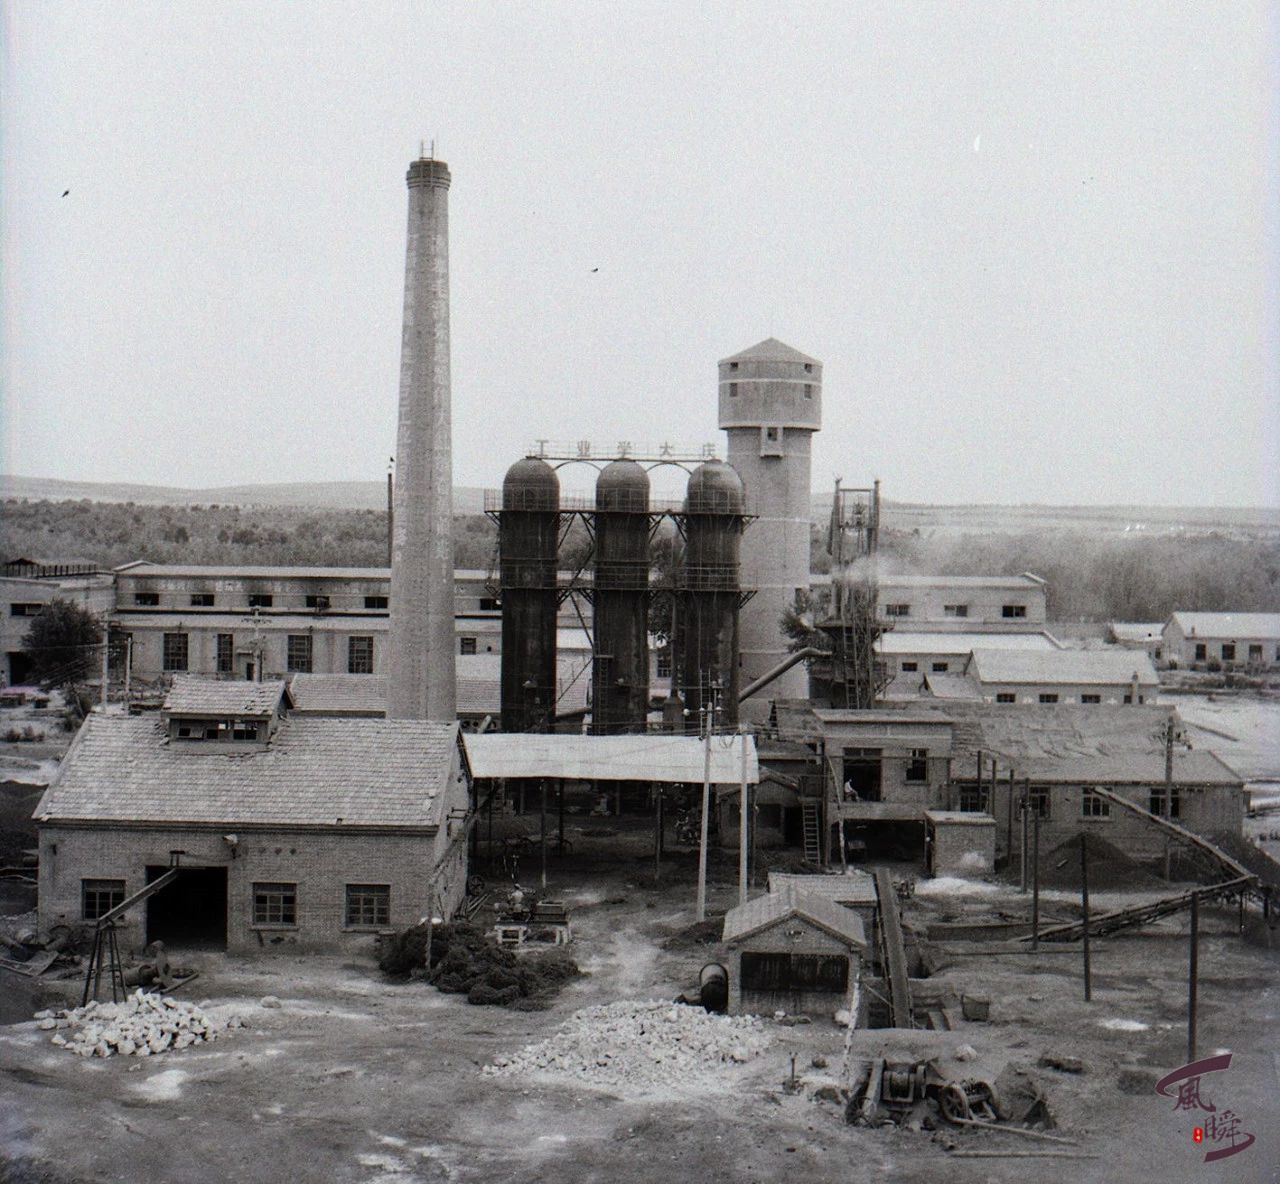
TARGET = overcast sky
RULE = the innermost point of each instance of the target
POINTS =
(1034, 244)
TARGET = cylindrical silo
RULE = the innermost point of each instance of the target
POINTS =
(708, 591)
(528, 531)
(620, 677)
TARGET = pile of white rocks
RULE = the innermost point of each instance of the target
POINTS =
(142, 1025)
(642, 1047)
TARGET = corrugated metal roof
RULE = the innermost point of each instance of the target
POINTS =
(313, 772)
(766, 911)
(902, 641)
(1117, 667)
(1230, 626)
(852, 889)
(193, 695)
(664, 758)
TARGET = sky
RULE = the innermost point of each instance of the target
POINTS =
(1035, 245)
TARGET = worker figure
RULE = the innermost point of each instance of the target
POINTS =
(516, 901)
(850, 794)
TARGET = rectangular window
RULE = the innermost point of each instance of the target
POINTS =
(1155, 802)
(368, 905)
(1006, 697)
(733, 390)
(25, 610)
(1093, 806)
(175, 651)
(808, 390)
(1038, 800)
(1255, 653)
(260, 599)
(375, 602)
(202, 600)
(319, 603)
(275, 904)
(1202, 651)
(955, 610)
(973, 800)
(1090, 698)
(733, 365)
(664, 664)
(359, 655)
(490, 604)
(226, 653)
(1128, 698)
(918, 765)
(146, 599)
(772, 434)
(939, 667)
(897, 610)
(298, 653)
(1013, 610)
(98, 897)
(1228, 651)
(1048, 697)
(808, 367)
(910, 667)
(467, 645)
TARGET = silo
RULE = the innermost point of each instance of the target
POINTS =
(620, 669)
(528, 531)
(709, 592)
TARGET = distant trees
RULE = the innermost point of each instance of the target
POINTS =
(64, 644)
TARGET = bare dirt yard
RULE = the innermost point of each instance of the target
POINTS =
(355, 1078)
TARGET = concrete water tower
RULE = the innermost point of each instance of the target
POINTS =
(770, 406)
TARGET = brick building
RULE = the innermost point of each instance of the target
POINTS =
(293, 831)
(1234, 641)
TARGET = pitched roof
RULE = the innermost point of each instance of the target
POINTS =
(951, 686)
(1136, 631)
(313, 772)
(771, 350)
(1019, 583)
(1230, 625)
(1078, 744)
(765, 911)
(1063, 667)
(193, 695)
(854, 888)
(909, 641)
(339, 694)
(654, 757)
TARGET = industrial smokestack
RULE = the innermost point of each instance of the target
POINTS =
(421, 680)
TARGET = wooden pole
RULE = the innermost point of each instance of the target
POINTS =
(560, 804)
(542, 831)
(744, 809)
(657, 837)
(1035, 881)
(1193, 969)
(1008, 847)
(1084, 906)
(701, 913)
(1026, 826)
(1166, 806)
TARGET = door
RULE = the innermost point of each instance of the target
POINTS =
(862, 774)
(192, 911)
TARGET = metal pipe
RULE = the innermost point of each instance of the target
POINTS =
(744, 814)
(706, 810)
(780, 669)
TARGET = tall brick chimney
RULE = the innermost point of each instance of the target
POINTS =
(421, 681)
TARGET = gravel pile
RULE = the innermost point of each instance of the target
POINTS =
(140, 1026)
(640, 1047)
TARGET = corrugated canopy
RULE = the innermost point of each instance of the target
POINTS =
(668, 759)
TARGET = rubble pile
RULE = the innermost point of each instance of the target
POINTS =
(140, 1026)
(640, 1047)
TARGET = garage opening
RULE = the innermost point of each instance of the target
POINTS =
(192, 911)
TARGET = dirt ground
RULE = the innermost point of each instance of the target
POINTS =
(362, 1080)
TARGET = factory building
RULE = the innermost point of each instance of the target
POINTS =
(26, 587)
(1230, 641)
(770, 407)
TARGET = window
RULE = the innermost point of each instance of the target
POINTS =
(664, 663)
(973, 799)
(897, 610)
(490, 604)
(733, 365)
(368, 904)
(1093, 806)
(260, 599)
(808, 390)
(733, 390)
(808, 367)
(375, 602)
(175, 651)
(1006, 697)
(918, 765)
(359, 655)
(319, 603)
(1013, 610)
(298, 653)
(146, 599)
(275, 904)
(1090, 698)
(1048, 697)
(216, 729)
(25, 610)
(772, 434)
(955, 610)
(939, 667)
(1255, 653)
(1156, 802)
(98, 897)
(226, 653)
(1202, 651)
(1128, 698)
(202, 600)
(910, 667)
(1038, 800)
(1228, 651)
(466, 645)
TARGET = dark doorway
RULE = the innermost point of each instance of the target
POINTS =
(862, 773)
(19, 668)
(192, 911)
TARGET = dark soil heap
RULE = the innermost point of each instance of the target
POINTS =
(466, 961)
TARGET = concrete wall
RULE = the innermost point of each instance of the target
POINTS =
(1180, 648)
(320, 863)
(985, 604)
(964, 849)
(1109, 693)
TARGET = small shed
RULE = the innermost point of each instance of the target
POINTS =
(853, 889)
(792, 952)
(960, 841)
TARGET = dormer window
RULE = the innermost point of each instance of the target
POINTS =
(216, 729)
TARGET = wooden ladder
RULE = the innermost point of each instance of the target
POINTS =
(812, 832)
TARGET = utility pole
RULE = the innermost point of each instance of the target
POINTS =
(1026, 826)
(106, 659)
(128, 668)
(742, 822)
(707, 717)
(1035, 880)
(1084, 906)
(1166, 806)
(1193, 969)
